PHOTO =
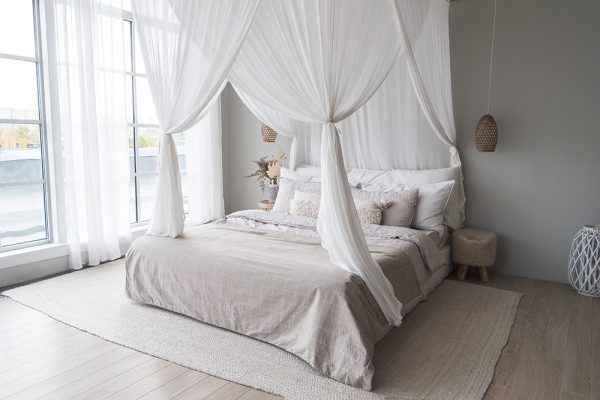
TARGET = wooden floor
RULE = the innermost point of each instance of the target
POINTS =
(553, 353)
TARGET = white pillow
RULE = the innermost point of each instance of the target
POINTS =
(305, 204)
(287, 187)
(432, 202)
(296, 175)
(391, 179)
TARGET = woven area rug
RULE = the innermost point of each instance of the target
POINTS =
(446, 348)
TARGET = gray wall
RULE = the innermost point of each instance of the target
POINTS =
(543, 182)
(244, 144)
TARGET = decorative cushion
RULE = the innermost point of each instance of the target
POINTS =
(474, 247)
(370, 212)
(401, 204)
(305, 204)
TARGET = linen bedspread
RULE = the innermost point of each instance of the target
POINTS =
(265, 275)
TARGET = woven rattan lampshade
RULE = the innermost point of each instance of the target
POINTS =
(486, 134)
(268, 134)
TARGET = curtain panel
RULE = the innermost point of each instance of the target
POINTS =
(314, 61)
(86, 65)
(188, 48)
(412, 112)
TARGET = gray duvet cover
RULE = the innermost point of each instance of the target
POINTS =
(265, 275)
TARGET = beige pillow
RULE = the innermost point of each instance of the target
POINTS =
(370, 212)
(401, 204)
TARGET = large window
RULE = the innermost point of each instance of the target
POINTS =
(144, 134)
(24, 219)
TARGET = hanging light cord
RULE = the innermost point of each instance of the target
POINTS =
(491, 59)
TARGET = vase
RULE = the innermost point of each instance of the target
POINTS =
(584, 261)
(272, 190)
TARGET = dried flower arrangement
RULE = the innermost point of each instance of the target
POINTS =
(268, 169)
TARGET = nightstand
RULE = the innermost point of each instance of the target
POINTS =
(265, 205)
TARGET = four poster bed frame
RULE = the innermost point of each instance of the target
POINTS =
(326, 289)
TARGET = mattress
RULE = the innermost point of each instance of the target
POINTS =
(266, 276)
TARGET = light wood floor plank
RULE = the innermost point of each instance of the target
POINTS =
(69, 347)
(14, 310)
(129, 363)
(577, 377)
(52, 330)
(32, 317)
(257, 395)
(229, 391)
(56, 382)
(554, 344)
(28, 324)
(12, 387)
(149, 383)
(596, 351)
(81, 385)
(58, 368)
(506, 379)
(202, 389)
(43, 363)
(174, 387)
(124, 380)
(37, 344)
(572, 396)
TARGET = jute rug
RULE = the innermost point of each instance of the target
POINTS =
(446, 348)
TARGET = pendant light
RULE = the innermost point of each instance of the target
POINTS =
(268, 134)
(486, 133)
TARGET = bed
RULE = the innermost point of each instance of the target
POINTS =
(265, 275)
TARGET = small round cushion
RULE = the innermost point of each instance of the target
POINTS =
(474, 247)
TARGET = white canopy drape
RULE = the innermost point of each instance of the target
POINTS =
(302, 62)
(310, 73)
(188, 48)
(393, 117)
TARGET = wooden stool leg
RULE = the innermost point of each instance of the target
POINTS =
(461, 272)
(483, 275)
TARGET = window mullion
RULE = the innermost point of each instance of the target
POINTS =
(20, 58)
(42, 118)
(136, 182)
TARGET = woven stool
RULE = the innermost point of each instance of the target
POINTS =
(473, 247)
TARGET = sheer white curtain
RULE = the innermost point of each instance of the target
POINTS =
(188, 48)
(316, 61)
(87, 73)
(409, 122)
(204, 171)
(424, 34)
(389, 132)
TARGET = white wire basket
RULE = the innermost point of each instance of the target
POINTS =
(584, 261)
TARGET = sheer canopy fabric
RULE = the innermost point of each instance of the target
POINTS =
(412, 111)
(321, 68)
(204, 172)
(297, 63)
(188, 48)
(86, 64)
